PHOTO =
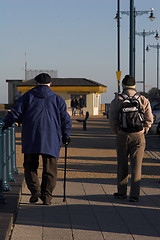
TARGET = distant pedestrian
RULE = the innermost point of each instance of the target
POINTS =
(44, 121)
(74, 104)
(130, 136)
(81, 105)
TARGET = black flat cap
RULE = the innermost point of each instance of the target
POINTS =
(128, 80)
(43, 78)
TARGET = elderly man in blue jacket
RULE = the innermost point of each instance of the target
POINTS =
(45, 122)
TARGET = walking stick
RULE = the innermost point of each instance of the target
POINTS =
(65, 166)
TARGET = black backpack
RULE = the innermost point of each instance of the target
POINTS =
(131, 116)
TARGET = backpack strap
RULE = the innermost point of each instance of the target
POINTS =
(124, 96)
(136, 96)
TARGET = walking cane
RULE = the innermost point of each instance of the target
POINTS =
(65, 166)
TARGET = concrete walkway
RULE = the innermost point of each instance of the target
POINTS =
(90, 211)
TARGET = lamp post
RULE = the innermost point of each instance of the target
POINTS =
(25, 66)
(133, 14)
(132, 40)
(157, 46)
(117, 18)
(144, 34)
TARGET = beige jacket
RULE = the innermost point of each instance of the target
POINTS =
(115, 108)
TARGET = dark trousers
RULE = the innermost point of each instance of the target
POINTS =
(49, 174)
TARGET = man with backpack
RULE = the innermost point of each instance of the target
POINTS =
(130, 118)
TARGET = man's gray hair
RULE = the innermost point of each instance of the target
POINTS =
(44, 84)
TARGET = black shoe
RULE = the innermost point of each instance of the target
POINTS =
(34, 197)
(45, 202)
(119, 195)
(42, 198)
(133, 199)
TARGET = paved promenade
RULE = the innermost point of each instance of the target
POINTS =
(90, 211)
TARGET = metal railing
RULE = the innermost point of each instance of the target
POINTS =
(7, 159)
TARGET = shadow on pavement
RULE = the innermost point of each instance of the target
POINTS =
(79, 217)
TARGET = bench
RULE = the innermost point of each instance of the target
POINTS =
(84, 120)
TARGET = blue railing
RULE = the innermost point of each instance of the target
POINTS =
(7, 159)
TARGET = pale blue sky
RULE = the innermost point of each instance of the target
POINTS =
(78, 38)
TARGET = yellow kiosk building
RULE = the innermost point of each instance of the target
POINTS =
(67, 88)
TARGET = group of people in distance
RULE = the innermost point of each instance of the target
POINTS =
(77, 104)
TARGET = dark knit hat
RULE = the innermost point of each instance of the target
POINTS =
(43, 78)
(129, 81)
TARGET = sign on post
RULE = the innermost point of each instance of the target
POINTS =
(118, 73)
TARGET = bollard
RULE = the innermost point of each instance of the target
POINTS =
(13, 149)
(6, 186)
(9, 157)
(2, 198)
(84, 121)
(84, 125)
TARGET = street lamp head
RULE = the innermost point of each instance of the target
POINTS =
(157, 35)
(117, 17)
(151, 17)
(147, 49)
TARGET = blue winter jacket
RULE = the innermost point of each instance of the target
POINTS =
(44, 121)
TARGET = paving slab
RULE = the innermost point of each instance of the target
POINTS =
(8, 210)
